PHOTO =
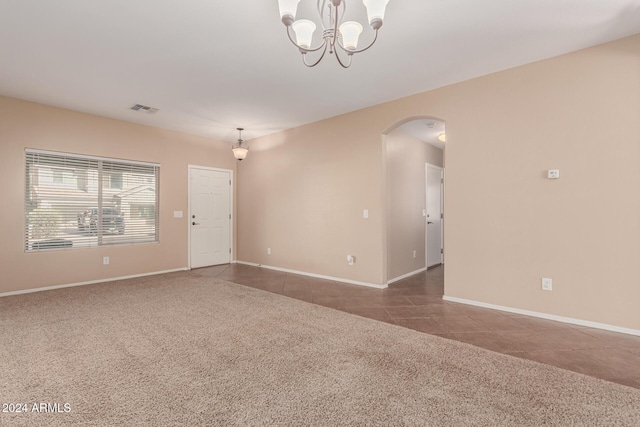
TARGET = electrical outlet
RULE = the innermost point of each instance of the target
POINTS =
(553, 173)
(268, 251)
(105, 260)
(414, 253)
(365, 213)
(351, 259)
(547, 284)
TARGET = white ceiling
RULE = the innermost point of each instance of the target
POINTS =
(427, 130)
(211, 65)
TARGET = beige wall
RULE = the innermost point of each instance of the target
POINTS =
(507, 226)
(28, 125)
(302, 193)
(406, 157)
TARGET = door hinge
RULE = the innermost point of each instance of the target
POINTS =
(441, 216)
(229, 250)
(229, 182)
(441, 180)
(229, 216)
(441, 251)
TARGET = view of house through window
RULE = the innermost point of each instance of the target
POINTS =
(76, 201)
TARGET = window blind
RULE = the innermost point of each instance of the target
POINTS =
(75, 201)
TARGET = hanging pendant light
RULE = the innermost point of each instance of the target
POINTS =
(239, 151)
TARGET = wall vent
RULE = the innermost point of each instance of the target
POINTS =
(144, 109)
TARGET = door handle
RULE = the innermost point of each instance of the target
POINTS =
(195, 223)
(428, 222)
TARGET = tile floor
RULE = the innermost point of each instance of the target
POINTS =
(416, 303)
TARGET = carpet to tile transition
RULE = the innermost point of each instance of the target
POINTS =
(183, 350)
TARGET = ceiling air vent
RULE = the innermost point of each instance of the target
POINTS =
(144, 109)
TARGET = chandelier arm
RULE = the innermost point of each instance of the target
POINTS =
(320, 6)
(344, 10)
(351, 52)
(302, 49)
(340, 60)
(304, 57)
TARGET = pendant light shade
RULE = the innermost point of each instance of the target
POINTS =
(375, 12)
(288, 9)
(304, 30)
(350, 32)
(240, 153)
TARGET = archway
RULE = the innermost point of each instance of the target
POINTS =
(413, 225)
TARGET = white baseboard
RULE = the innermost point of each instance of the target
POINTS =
(91, 282)
(317, 276)
(404, 276)
(562, 319)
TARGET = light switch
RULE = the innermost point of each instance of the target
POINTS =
(365, 213)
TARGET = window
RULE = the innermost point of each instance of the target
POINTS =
(58, 176)
(74, 201)
(113, 180)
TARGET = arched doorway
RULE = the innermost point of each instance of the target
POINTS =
(413, 176)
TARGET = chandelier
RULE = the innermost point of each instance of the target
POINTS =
(239, 151)
(338, 37)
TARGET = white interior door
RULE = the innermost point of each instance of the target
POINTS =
(209, 217)
(434, 215)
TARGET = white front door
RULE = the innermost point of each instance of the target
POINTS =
(209, 216)
(434, 215)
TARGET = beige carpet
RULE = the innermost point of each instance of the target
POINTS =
(183, 350)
